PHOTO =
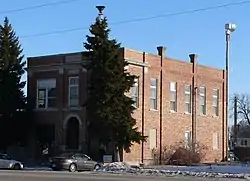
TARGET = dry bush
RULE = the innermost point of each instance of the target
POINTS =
(179, 154)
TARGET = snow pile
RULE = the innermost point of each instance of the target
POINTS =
(119, 167)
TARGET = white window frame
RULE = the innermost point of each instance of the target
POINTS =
(153, 87)
(189, 101)
(173, 89)
(216, 106)
(203, 112)
(46, 85)
(69, 91)
(187, 139)
(135, 92)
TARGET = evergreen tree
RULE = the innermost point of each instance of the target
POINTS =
(109, 109)
(11, 70)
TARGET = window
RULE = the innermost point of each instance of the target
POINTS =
(215, 141)
(153, 93)
(242, 142)
(173, 97)
(152, 138)
(187, 139)
(135, 92)
(73, 91)
(188, 98)
(46, 93)
(216, 102)
(203, 100)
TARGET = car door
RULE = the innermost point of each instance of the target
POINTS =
(1, 161)
(5, 161)
(79, 161)
(89, 162)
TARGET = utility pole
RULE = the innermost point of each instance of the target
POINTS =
(229, 27)
(235, 120)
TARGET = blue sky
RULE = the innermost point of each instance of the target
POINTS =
(200, 32)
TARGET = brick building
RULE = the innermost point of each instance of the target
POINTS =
(176, 101)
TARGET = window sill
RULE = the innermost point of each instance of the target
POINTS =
(153, 109)
(214, 116)
(45, 109)
(73, 108)
(172, 111)
(187, 113)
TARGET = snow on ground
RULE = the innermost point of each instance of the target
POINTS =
(198, 171)
(234, 169)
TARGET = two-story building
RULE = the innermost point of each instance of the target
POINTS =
(176, 101)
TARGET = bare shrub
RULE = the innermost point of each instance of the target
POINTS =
(179, 154)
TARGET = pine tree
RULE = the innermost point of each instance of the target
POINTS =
(12, 65)
(109, 109)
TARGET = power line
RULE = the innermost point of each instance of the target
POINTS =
(37, 6)
(145, 18)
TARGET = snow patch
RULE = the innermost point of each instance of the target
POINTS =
(119, 167)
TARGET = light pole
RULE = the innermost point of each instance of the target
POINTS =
(229, 28)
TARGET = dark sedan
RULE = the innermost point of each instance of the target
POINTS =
(73, 162)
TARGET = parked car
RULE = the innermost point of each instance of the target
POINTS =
(232, 157)
(6, 162)
(73, 162)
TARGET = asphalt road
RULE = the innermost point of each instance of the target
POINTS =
(87, 176)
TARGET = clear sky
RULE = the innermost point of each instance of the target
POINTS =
(201, 32)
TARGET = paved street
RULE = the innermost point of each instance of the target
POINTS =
(85, 176)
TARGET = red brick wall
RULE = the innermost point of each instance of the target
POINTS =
(174, 125)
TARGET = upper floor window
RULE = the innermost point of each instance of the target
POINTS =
(203, 100)
(73, 91)
(188, 98)
(153, 93)
(173, 96)
(46, 93)
(215, 102)
(135, 92)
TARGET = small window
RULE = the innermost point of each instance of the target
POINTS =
(242, 142)
(173, 96)
(203, 100)
(135, 92)
(188, 98)
(73, 91)
(216, 102)
(153, 93)
(187, 139)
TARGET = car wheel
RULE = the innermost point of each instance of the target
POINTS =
(97, 166)
(72, 167)
(17, 166)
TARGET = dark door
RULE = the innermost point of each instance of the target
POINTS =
(72, 134)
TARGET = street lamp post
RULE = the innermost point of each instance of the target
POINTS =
(229, 28)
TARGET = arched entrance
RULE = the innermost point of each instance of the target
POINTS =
(72, 134)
